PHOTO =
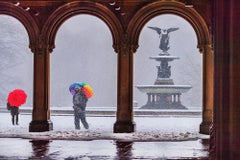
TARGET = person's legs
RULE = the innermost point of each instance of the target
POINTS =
(17, 119)
(76, 120)
(83, 120)
(12, 119)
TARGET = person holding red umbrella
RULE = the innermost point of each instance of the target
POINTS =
(15, 99)
(14, 112)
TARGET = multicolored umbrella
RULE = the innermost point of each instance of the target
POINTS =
(76, 84)
(85, 88)
(17, 97)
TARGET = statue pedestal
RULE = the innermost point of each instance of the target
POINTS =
(163, 81)
(164, 94)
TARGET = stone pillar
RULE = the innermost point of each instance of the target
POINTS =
(153, 98)
(124, 122)
(226, 129)
(207, 99)
(174, 98)
(41, 113)
(149, 98)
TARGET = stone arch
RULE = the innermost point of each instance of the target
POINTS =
(41, 112)
(75, 8)
(204, 44)
(24, 17)
(177, 8)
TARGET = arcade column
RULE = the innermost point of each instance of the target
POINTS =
(226, 123)
(208, 72)
(41, 113)
(124, 122)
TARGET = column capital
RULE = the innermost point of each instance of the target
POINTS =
(125, 45)
(40, 46)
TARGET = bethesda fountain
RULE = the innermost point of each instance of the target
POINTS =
(164, 94)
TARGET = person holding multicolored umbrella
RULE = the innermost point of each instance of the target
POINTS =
(81, 92)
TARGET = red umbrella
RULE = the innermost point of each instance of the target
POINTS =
(17, 97)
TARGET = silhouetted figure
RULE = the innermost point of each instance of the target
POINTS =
(14, 112)
(164, 38)
(79, 106)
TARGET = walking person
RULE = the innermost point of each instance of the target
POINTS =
(14, 112)
(79, 106)
(15, 99)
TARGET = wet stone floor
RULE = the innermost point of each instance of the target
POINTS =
(21, 149)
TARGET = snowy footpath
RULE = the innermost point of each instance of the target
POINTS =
(160, 128)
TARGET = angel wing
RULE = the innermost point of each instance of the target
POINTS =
(171, 30)
(156, 29)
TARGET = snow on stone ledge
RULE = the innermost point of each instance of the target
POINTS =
(94, 135)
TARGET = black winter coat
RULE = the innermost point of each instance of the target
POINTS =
(14, 110)
(80, 100)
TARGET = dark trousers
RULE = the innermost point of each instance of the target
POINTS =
(79, 114)
(15, 120)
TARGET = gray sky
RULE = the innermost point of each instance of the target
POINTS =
(185, 71)
(16, 59)
(84, 53)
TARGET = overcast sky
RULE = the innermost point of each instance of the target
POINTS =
(84, 53)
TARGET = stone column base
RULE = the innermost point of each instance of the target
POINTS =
(124, 127)
(40, 126)
(205, 128)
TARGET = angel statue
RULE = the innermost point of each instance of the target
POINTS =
(164, 38)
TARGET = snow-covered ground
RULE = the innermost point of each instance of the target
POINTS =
(161, 137)
(147, 128)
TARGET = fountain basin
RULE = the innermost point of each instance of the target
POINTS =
(164, 96)
(164, 88)
(160, 58)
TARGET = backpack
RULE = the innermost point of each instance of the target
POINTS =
(8, 106)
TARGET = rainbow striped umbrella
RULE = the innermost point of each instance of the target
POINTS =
(85, 88)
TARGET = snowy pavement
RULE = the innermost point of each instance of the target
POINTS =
(160, 128)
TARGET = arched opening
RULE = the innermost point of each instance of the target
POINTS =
(16, 65)
(183, 43)
(84, 53)
(203, 42)
(41, 113)
(186, 70)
